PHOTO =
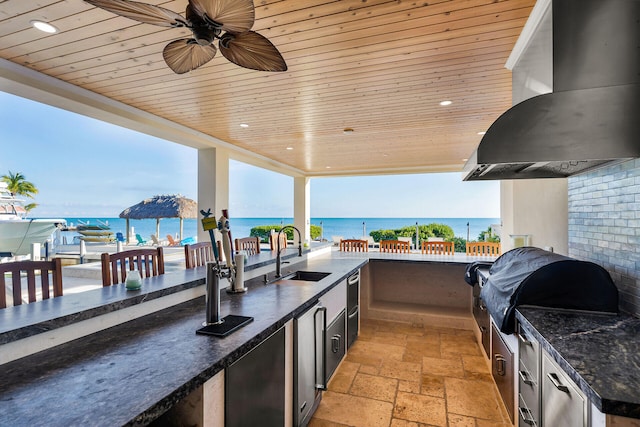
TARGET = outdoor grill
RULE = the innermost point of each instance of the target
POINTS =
(535, 277)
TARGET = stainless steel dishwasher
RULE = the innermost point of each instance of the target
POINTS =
(309, 358)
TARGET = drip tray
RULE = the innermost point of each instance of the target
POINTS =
(229, 324)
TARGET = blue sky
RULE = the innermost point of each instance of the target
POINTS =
(87, 168)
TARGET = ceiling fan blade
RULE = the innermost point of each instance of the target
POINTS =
(236, 16)
(253, 51)
(185, 55)
(142, 12)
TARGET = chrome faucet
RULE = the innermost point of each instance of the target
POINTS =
(278, 257)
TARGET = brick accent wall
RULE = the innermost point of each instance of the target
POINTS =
(604, 225)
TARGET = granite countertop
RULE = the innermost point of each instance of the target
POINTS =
(600, 352)
(131, 373)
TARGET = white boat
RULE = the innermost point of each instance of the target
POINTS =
(17, 232)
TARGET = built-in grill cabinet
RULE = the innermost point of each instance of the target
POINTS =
(353, 311)
(502, 369)
(481, 316)
(528, 379)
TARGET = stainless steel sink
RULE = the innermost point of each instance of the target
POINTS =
(306, 276)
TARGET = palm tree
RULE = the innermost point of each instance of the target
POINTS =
(18, 185)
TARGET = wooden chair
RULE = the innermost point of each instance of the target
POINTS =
(149, 262)
(395, 246)
(437, 248)
(248, 245)
(31, 269)
(483, 248)
(354, 245)
(273, 244)
(410, 240)
(198, 254)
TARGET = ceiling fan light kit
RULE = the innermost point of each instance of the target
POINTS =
(228, 21)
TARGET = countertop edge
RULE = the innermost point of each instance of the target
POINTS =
(603, 404)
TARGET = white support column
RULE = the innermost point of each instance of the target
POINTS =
(302, 207)
(213, 185)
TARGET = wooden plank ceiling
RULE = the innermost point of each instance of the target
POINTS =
(379, 67)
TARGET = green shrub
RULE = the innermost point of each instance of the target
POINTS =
(383, 235)
(263, 231)
(459, 244)
(425, 231)
(488, 236)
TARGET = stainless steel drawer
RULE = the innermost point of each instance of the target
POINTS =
(502, 369)
(563, 404)
(526, 417)
(529, 352)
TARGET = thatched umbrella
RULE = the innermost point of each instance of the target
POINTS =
(168, 206)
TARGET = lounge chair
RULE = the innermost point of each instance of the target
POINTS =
(172, 241)
(155, 240)
(120, 237)
(372, 243)
(141, 241)
(336, 240)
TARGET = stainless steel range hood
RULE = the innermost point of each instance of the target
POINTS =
(592, 117)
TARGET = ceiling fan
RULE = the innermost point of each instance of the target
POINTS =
(228, 21)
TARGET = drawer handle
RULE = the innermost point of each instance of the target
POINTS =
(526, 416)
(524, 375)
(556, 382)
(523, 339)
(335, 343)
(501, 363)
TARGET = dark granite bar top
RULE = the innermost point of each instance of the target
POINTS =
(131, 373)
(600, 352)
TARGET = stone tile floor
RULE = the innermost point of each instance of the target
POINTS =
(396, 375)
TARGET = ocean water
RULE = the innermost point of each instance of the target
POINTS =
(241, 227)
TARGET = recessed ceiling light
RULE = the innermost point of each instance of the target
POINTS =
(327, 167)
(445, 103)
(464, 160)
(44, 26)
(481, 133)
(244, 125)
(289, 148)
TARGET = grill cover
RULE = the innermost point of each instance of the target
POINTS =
(533, 276)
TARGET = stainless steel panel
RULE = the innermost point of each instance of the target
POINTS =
(502, 361)
(352, 326)
(255, 385)
(307, 356)
(563, 404)
(335, 344)
(528, 377)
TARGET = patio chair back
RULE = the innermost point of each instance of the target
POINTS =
(149, 262)
(198, 254)
(32, 270)
(120, 237)
(248, 245)
(437, 248)
(273, 241)
(483, 248)
(354, 245)
(395, 246)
